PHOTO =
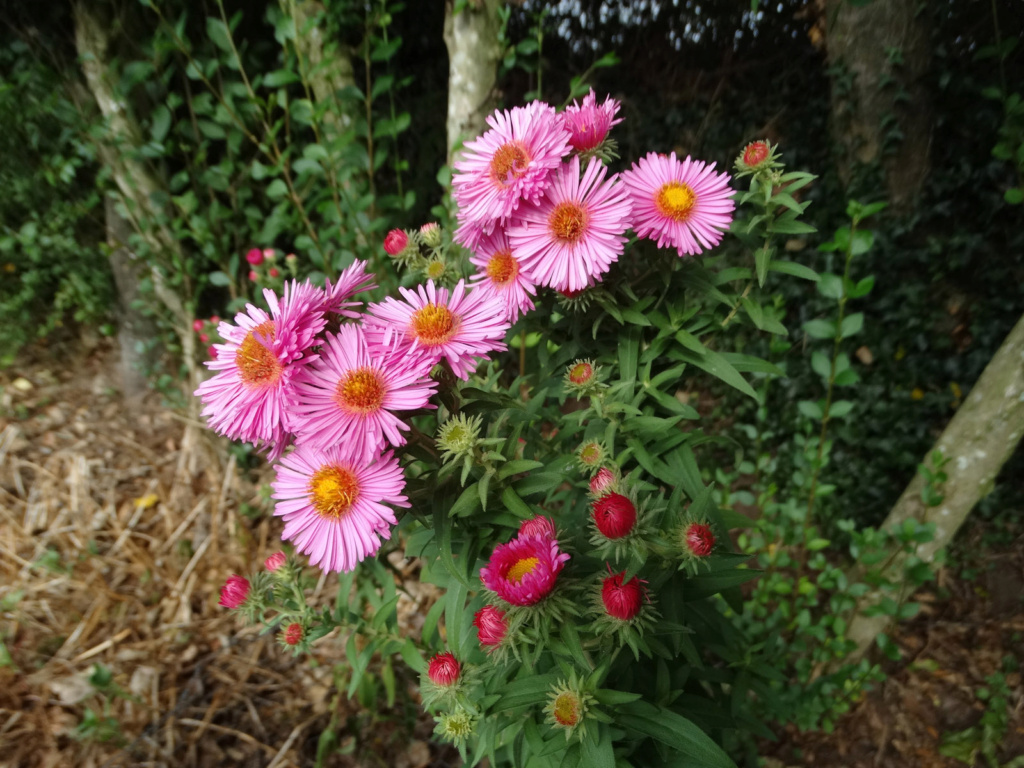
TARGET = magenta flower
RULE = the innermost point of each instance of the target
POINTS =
(509, 163)
(682, 205)
(444, 670)
(338, 294)
(524, 571)
(500, 274)
(623, 599)
(335, 507)
(254, 256)
(588, 123)
(255, 365)
(349, 396)
(395, 242)
(575, 232)
(235, 592)
(274, 562)
(461, 328)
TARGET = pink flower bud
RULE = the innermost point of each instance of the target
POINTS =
(269, 254)
(234, 592)
(614, 515)
(273, 272)
(253, 277)
(444, 670)
(542, 527)
(254, 257)
(204, 338)
(623, 601)
(274, 562)
(602, 481)
(581, 373)
(212, 352)
(395, 242)
(755, 154)
(700, 539)
(491, 625)
(198, 325)
(215, 319)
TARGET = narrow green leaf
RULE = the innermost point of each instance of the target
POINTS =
(820, 329)
(852, 324)
(794, 269)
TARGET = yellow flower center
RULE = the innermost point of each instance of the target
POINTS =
(361, 391)
(502, 268)
(675, 201)
(591, 453)
(568, 222)
(510, 162)
(333, 491)
(580, 373)
(435, 270)
(434, 324)
(257, 365)
(521, 568)
(566, 709)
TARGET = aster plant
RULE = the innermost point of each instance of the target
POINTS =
(553, 494)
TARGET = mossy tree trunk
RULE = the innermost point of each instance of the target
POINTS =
(979, 440)
(474, 50)
(140, 188)
(880, 53)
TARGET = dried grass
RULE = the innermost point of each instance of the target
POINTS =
(118, 525)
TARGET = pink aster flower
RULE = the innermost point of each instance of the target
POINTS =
(682, 205)
(462, 327)
(524, 571)
(589, 123)
(575, 232)
(491, 626)
(509, 163)
(335, 507)
(255, 365)
(274, 562)
(501, 274)
(348, 397)
(338, 294)
(444, 670)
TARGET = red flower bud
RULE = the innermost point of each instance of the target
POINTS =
(274, 562)
(614, 515)
(538, 526)
(273, 272)
(203, 338)
(623, 601)
(198, 325)
(234, 592)
(444, 670)
(215, 319)
(395, 242)
(700, 539)
(755, 154)
(254, 257)
(491, 625)
(212, 352)
(293, 634)
(253, 277)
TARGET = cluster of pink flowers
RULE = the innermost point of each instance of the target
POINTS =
(282, 379)
(535, 213)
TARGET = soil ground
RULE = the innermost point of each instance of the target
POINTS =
(119, 522)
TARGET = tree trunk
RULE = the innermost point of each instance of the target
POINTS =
(135, 330)
(881, 109)
(980, 438)
(474, 51)
(140, 188)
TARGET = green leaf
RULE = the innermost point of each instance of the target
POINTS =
(276, 189)
(516, 466)
(525, 692)
(821, 365)
(852, 324)
(510, 499)
(161, 123)
(219, 279)
(831, 286)
(840, 409)
(597, 754)
(218, 32)
(629, 350)
(707, 584)
(467, 502)
(794, 269)
(862, 241)
(280, 77)
(673, 730)
(810, 409)
(820, 329)
(720, 368)
(1014, 195)
(538, 482)
(443, 528)
(862, 288)
(762, 260)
